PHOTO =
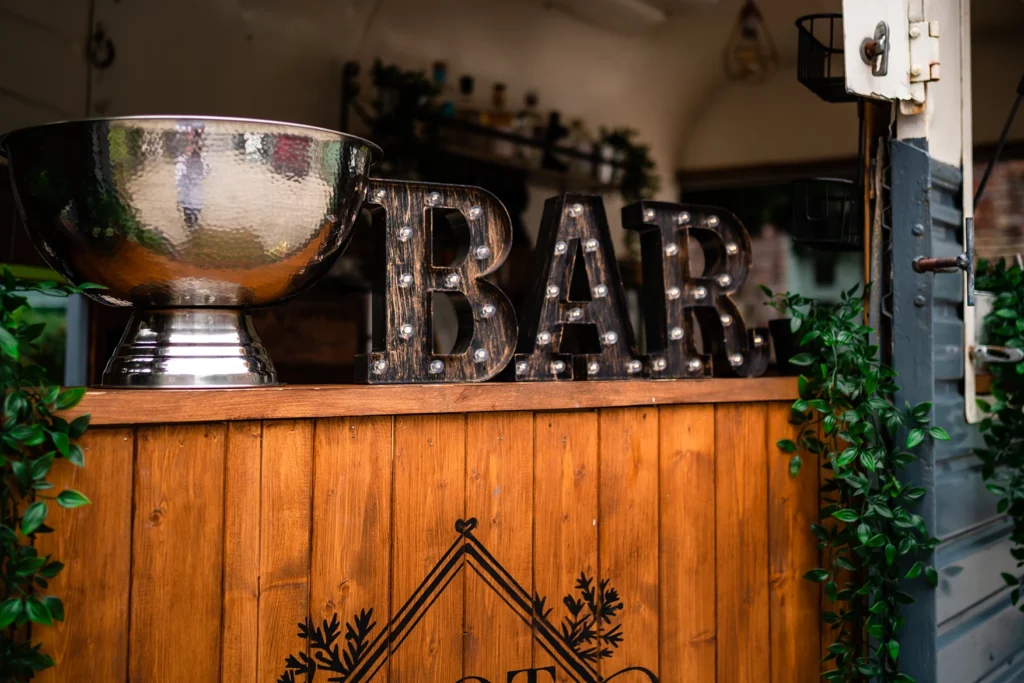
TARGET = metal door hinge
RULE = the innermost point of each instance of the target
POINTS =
(924, 57)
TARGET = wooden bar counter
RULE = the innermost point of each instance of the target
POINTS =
(503, 533)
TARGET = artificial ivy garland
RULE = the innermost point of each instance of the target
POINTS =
(847, 417)
(1003, 455)
(32, 438)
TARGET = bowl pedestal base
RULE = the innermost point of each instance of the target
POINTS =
(190, 347)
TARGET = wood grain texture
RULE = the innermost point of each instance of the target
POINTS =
(286, 492)
(565, 486)
(177, 550)
(240, 618)
(628, 531)
(741, 541)
(350, 569)
(792, 550)
(574, 235)
(687, 561)
(143, 406)
(726, 251)
(499, 493)
(93, 542)
(428, 498)
(408, 278)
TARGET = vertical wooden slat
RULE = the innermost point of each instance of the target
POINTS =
(352, 525)
(286, 497)
(240, 621)
(428, 499)
(499, 493)
(741, 539)
(628, 531)
(565, 512)
(177, 550)
(687, 543)
(94, 543)
(792, 550)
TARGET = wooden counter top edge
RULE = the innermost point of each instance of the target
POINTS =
(162, 406)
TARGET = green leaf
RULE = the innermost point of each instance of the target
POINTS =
(767, 292)
(38, 612)
(846, 515)
(802, 359)
(890, 554)
(35, 514)
(41, 466)
(932, 576)
(1005, 313)
(8, 344)
(915, 437)
(55, 607)
(1010, 579)
(817, 575)
(786, 445)
(76, 456)
(9, 611)
(70, 398)
(939, 433)
(61, 442)
(894, 650)
(70, 498)
(51, 570)
(914, 571)
(794, 465)
(794, 325)
(876, 541)
(78, 426)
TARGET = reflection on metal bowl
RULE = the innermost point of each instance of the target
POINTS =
(171, 213)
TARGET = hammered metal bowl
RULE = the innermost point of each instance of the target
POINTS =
(172, 214)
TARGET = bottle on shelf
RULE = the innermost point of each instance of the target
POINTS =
(530, 124)
(500, 118)
(445, 93)
(581, 140)
(466, 110)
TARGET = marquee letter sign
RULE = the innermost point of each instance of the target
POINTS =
(574, 235)
(408, 357)
(672, 293)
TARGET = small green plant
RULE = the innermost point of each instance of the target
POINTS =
(32, 439)
(847, 417)
(1003, 428)
(639, 181)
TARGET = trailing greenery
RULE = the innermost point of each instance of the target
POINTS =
(32, 439)
(1003, 455)
(639, 180)
(847, 417)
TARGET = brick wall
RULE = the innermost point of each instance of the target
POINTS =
(999, 218)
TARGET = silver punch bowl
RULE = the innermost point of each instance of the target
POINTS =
(191, 221)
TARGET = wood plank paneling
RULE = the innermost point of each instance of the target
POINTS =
(792, 550)
(628, 532)
(240, 620)
(286, 488)
(741, 540)
(428, 499)
(687, 565)
(350, 569)
(499, 494)
(177, 551)
(94, 543)
(565, 485)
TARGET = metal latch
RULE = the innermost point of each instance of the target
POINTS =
(924, 51)
(953, 264)
(875, 51)
(996, 354)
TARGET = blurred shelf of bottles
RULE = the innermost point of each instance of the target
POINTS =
(414, 116)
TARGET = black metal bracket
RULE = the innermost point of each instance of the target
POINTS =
(953, 264)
